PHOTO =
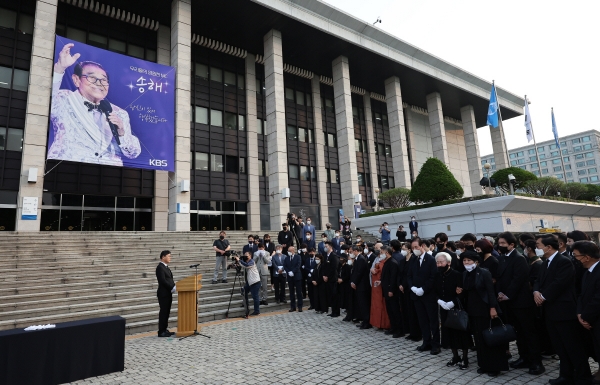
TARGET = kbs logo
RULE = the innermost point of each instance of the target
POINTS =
(158, 162)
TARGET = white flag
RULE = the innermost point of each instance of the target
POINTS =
(528, 127)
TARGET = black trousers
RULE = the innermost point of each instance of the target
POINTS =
(279, 283)
(350, 304)
(566, 339)
(523, 320)
(332, 298)
(427, 313)
(163, 314)
(295, 286)
(409, 314)
(393, 311)
(304, 283)
(311, 291)
(363, 305)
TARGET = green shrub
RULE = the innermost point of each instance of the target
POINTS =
(521, 178)
(573, 190)
(435, 183)
(545, 186)
(396, 197)
(592, 192)
(427, 205)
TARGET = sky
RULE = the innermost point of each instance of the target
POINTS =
(542, 49)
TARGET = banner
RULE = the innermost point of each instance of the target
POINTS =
(111, 109)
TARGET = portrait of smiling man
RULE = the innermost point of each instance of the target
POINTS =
(80, 119)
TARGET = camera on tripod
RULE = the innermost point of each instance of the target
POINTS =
(235, 264)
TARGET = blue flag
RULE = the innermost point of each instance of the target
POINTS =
(555, 130)
(493, 117)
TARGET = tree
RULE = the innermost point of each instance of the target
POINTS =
(396, 198)
(521, 178)
(573, 190)
(592, 192)
(545, 186)
(435, 183)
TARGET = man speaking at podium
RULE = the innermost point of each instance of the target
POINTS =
(166, 288)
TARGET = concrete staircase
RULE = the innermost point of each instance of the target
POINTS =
(53, 277)
(366, 236)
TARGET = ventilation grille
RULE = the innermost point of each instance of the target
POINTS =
(115, 13)
(219, 46)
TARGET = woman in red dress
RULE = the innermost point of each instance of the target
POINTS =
(379, 317)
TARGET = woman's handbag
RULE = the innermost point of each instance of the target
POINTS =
(499, 335)
(457, 319)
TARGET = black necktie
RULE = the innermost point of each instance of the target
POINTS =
(92, 106)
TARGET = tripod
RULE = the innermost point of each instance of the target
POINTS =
(196, 293)
(238, 276)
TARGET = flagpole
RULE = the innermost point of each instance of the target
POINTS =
(537, 156)
(557, 139)
(500, 123)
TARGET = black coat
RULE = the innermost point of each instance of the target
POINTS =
(446, 284)
(413, 227)
(491, 264)
(389, 277)
(513, 281)
(480, 299)
(165, 281)
(534, 271)
(423, 276)
(401, 235)
(330, 267)
(270, 248)
(556, 284)
(588, 304)
(285, 238)
(360, 274)
(456, 263)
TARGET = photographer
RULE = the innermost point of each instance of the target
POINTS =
(295, 225)
(385, 232)
(252, 279)
(262, 258)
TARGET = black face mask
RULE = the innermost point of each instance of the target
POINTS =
(442, 269)
(470, 247)
(222, 237)
(481, 255)
(440, 246)
(503, 249)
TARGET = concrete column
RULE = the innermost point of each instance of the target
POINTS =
(411, 143)
(371, 143)
(344, 123)
(181, 54)
(276, 139)
(252, 157)
(160, 203)
(37, 110)
(319, 138)
(467, 115)
(499, 146)
(395, 113)
(438, 130)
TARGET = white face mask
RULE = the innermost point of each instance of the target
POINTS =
(317, 261)
(366, 251)
(417, 252)
(404, 252)
(324, 239)
(350, 262)
(290, 253)
(337, 234)
(278, 251)
(458, 252)
(308, 222)
(343, 251)
(470, 267)
(539, 252)
(358, 239)
(303, 250)
(308, 237)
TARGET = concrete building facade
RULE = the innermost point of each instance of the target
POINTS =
(295, 107)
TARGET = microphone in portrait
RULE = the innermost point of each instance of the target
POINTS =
(107, 109)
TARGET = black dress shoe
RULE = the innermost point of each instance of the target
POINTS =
(560, 381)
(367, 326)
(519, 364)
(165, 334)
(291, 310)
(480, 371)
(255, 313)
(310, 308)
(300, 310)
(464, 364)
(536, 369)
(424, 348)
(398, 335)
(224, 281)
(435, 351)
(356, 320)
(493, 374)
(455, 360)
(415, 339)
(388, 332)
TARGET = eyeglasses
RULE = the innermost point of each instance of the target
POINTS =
(578, 255)
(95, 80)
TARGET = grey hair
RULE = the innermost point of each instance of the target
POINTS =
(445, 255)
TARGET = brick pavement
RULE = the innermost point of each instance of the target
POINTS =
(297, 348)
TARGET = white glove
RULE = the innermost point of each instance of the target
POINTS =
(174, 289)
(290, 274)
(311, 270)
(309, 275)
(414, 289)
(303, 266)
(449, 305)
(419, 292)
(441, 303)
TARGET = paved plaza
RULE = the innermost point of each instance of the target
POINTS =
(297, 348)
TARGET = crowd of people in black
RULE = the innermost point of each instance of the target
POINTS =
(546, 287)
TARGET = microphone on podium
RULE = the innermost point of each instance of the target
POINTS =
(196, 265)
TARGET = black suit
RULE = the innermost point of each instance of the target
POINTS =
(512, 279)
(389, 284)
(556, 284)
(165, 297)
(251, 248)
(588, 306)
(413, 227)
(360, 278)
(422, 275)
(456, 263)
(330, 270)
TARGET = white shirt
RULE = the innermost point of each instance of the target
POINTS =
(551, 258)
(592, 267)
(510, 252)
(164, 263)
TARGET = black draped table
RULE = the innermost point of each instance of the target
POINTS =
(69, 352)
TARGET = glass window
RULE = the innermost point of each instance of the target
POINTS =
(513, 156)
(216, 74)
(590, 162)
(584, 139)
(391, 182)
(2, 138)
(98, 40)
(201, 115)
(8, 19)
(230, 121)
(592, 170)
(14, 139)
(544, 163)
(581, 172)
(383, 182)
(554, 153)
(533, 158)
(555, 161)
(261, 168)
(289, 94)
(135, 51)
(293, 170)
(532, 151)
(304, 173)
(553, 146)
(242, 122)
(577, 148)
(313, 173)
(300, 98)
(559, 176)
(565, 152)
(258, 86)
(559, 168)
(25, 23)
(566, 159)
(589, 154)
(242, 165)
(259, 126)
(542, 156)
(594, 178)
(523, 167)
(587, 146)
(5, 77)
(358, 145)
(328, 105)
(578, 140)
(544, 171)
(201, 161)
(216, 162)
(240, 82)
(229, 78)
(334, 176)
(534, 165)
(150, 56)
(76, 34)
(578, 156)
(331, 140)
(562, 144)
(520, 153)
(361, 178)
(493, 161)
(583, 180)
(202, 71)
(302, 134)
(231, 164)
(216, 118)
(520, 161)
(20, 80)
(381, 149)
(536, 173)
(310, 136)
(292, 133)
(570, 174)
(513, 162)
(580, 164)
(309, 100)
(567, 166)
(388, 151)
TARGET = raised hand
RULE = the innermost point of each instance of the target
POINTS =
(65, 59)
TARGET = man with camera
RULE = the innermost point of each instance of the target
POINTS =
(262, 258)
(385, 232)
(291, 265)
(252, 280)
(222, 247)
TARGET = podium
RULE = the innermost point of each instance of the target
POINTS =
(187, 312)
